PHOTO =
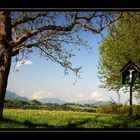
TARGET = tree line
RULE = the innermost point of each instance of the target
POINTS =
(35, 104)
(109, 108)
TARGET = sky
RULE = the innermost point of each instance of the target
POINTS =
(39, 78)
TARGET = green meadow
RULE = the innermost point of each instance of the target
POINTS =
(53, 119)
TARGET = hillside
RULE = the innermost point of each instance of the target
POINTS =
(12, 96)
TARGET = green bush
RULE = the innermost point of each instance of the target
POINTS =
(104, 109)
(136, 110)
(113, 109)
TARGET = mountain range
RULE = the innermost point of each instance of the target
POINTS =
(12, 95)
(95, 102)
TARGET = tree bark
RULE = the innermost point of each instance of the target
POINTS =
(4, 72)
(5, 55)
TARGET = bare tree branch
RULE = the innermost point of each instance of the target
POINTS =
(19, 42)
(16, 50)
(101, 27)
(67, 28)
(93, 15)
(35, 32)
(63, 64)
(27, 19)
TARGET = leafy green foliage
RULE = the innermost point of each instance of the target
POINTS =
(119, 46)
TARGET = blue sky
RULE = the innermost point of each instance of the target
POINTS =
(40, 78)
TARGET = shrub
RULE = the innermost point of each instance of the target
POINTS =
(113, 109)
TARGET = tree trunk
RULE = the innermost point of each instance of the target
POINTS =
(5, 55)
(4, 72)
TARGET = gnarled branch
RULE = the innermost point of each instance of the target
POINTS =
(27, 19)
(31, 33)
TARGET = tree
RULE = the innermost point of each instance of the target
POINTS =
(35, 103)
(22, 33)
(17, 103)
(118, 47)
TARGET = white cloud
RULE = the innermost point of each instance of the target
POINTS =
(37, 95)
(50, 94)
(23, 62)
(41, 94)
(80, 96)
(97, 96)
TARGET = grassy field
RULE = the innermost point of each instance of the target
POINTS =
(19, 118)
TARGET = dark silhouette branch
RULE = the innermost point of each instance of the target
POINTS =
(101, 27)
(56, 29)
(32, 33)
(64, 64)
(27, 19)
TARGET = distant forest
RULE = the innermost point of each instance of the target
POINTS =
(14, 101)
(35, 104)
